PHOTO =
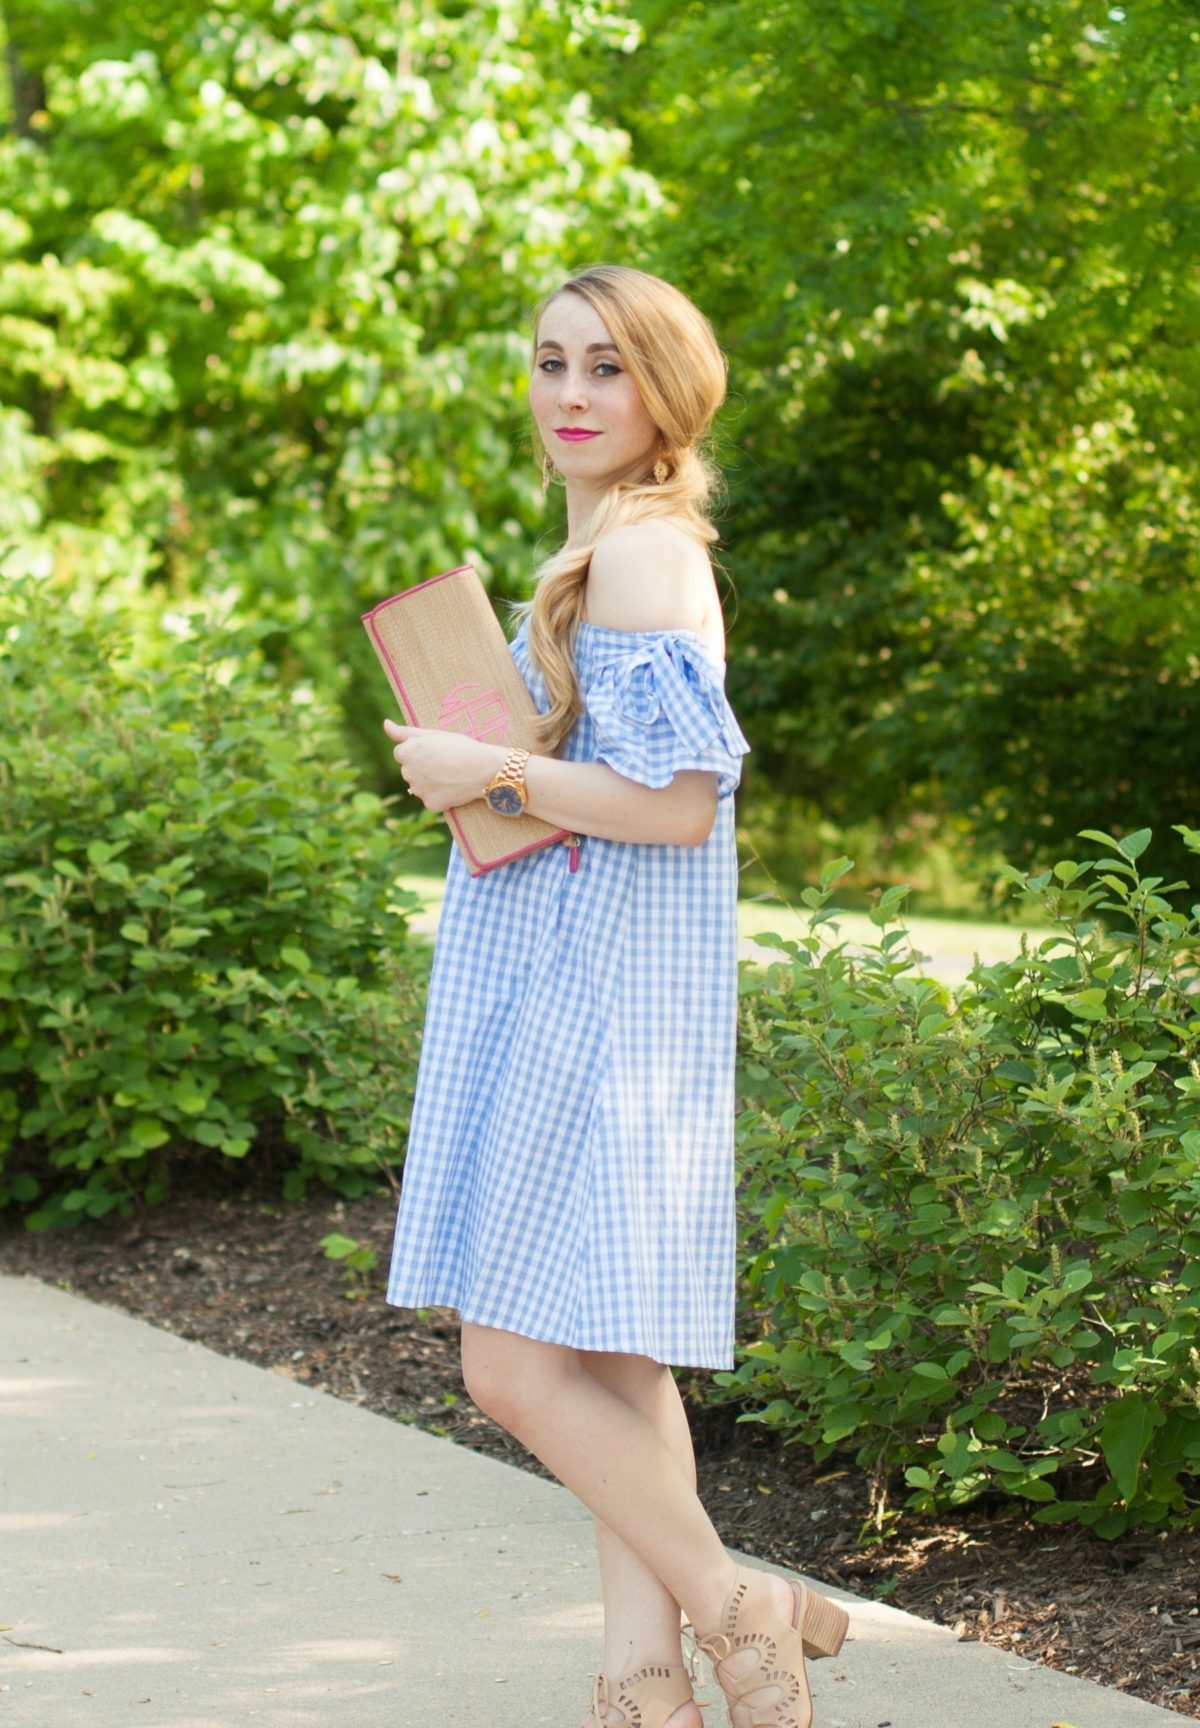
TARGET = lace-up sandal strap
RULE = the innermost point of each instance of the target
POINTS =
(598, 1709)
(647, 1698)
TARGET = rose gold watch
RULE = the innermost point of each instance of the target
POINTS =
(506, 791)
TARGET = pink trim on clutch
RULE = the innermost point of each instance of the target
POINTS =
(415, 589)
(480, 868)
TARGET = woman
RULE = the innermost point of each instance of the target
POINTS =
(569, 1182)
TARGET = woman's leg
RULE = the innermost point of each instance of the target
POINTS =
(608, 1454)
(614, 1459)
(641, 1617)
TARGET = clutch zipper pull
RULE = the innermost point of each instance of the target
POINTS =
(571, 842)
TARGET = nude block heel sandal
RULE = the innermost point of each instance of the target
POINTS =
(646, 1699)
(771, 1690)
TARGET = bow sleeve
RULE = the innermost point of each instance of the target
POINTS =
(659, 708)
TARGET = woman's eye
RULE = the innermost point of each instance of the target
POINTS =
(603, 368)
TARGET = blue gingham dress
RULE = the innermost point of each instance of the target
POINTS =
(569, 1173)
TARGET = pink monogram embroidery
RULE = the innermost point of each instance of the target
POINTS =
(480, 713)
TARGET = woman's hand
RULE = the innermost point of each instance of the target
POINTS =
(443, 769)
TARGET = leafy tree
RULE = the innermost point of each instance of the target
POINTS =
(265, 272)
(951, 248)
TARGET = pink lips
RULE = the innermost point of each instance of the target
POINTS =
(574, 434)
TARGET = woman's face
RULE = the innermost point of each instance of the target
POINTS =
(580, 386)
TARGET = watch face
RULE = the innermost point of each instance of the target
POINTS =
(505, 800)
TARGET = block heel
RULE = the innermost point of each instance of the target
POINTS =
(823, 1624)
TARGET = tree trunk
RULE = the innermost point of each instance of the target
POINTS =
(28, 87)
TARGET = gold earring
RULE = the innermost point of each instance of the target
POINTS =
(549, 472)
(660, 471)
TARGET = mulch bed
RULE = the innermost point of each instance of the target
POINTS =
(246, 1276)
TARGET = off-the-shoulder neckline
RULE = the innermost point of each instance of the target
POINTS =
(695, 635)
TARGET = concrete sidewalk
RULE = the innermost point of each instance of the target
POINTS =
(190, 1542)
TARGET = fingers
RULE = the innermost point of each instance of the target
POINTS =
(402, 734)
(432, 764)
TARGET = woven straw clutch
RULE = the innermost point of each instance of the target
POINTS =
(448, 663)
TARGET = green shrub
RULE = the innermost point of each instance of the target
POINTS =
(971, 1225)
(202, 950)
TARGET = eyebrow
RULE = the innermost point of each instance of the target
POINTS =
(592, 347)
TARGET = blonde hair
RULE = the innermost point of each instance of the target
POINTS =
(668, 347)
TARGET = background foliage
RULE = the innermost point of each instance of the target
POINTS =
(266, 268)
(264, 281)
(265, 275)
(952, 247)
(203, 955)
(970, 1224)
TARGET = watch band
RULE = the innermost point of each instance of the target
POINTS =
(511, 774)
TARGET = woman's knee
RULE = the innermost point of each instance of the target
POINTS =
(507, 1376)
(640, 1380)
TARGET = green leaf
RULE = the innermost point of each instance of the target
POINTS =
(934, 1023)
(1034, 1489)
(1133, 845)
(337, 1247)
(1125, 1436)
(147, 1132)
(835, 870)
(1104, 839)
(1015, 1283)
(184, 935)
(853, 1354)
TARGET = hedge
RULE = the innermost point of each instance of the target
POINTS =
(971, 1220)
(203, 951)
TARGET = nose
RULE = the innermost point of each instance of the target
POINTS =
(572, 390)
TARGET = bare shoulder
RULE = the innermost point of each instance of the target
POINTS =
(652, 576)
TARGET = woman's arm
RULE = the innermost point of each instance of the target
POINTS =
(444, 769)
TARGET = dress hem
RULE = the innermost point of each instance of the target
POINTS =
(685, 1357)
